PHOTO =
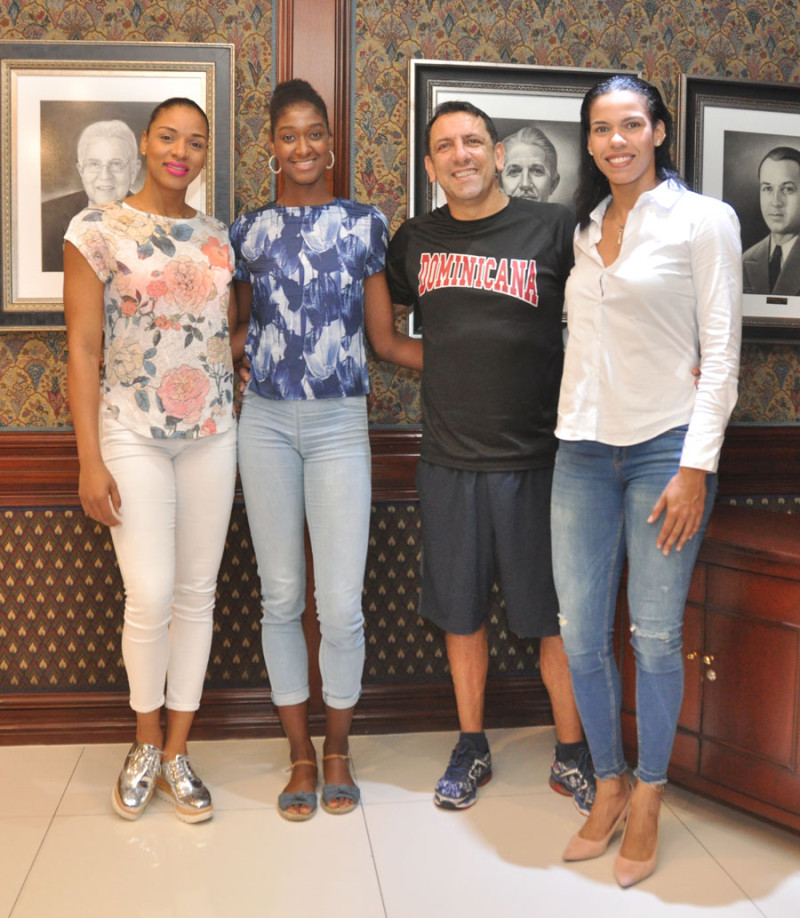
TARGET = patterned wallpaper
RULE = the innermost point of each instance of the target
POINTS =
(33, 366)
(741, 39)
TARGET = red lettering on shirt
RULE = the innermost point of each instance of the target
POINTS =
(501, 278)
(512, 277)
(486, 279)
(470, 270)
(424, 268)
(531, 295)
(443, 278)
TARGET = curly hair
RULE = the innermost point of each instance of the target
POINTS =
(295, 92)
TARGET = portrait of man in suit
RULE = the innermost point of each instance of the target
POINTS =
(772, 265)
(107, 163)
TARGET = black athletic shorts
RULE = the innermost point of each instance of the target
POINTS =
(482, 528)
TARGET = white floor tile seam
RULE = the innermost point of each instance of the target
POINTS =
(677, 814)
(373, 857)
(42, 841)
(25, 879)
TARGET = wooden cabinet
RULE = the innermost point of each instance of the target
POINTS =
(739, 728)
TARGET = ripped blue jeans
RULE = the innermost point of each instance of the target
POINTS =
(602, 496)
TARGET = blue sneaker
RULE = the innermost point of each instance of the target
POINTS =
(467, 771)
(575, 779)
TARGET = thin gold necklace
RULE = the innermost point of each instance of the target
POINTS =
(620, 227)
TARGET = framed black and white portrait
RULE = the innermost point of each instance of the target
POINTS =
(740, 142)
(536, 111)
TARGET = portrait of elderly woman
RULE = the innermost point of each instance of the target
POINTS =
(530, 169)
(107, 164)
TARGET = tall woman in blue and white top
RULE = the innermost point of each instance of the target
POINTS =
(310, 274)
(147, 302)
(655, 291)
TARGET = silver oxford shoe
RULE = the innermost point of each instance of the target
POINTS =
(179, 784)
(137, 781)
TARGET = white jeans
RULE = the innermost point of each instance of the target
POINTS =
(176, 506)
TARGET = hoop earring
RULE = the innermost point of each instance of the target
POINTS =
(271, 168)
(333, 160)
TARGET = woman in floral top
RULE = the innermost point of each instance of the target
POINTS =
(310, 276)
(148, 311)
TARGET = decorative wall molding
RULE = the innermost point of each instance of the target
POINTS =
(760, 461)
(40, 469)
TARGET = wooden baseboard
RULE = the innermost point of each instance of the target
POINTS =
(104, 717)
(740, 801)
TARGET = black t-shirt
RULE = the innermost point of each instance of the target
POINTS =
(490, 294)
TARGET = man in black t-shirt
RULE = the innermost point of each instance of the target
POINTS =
(486, 274)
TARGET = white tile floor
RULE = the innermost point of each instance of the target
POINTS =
(64, 854)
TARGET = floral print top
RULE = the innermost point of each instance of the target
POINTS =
(167, 369)
(307, 266)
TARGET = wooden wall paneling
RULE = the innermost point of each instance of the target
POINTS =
(103, 717)
(314, 42)
(40, 468)
(760, 460)
(693, 646)
(751, 705)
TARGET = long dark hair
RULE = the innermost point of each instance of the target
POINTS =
(593, 186)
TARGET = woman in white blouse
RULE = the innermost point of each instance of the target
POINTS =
(655, 291)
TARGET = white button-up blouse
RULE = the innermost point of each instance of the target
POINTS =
(672, 300)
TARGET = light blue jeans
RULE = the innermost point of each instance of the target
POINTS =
(602, 497)
(309, 461)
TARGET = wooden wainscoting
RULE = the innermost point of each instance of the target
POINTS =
(38, 475)
(40, 468)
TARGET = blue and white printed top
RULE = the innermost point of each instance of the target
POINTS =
(307, 266)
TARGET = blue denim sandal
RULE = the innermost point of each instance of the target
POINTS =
(298, 798)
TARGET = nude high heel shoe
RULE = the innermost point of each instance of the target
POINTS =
(584, 849)
(628, 872)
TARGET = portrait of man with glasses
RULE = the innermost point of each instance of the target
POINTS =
(108, 164)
